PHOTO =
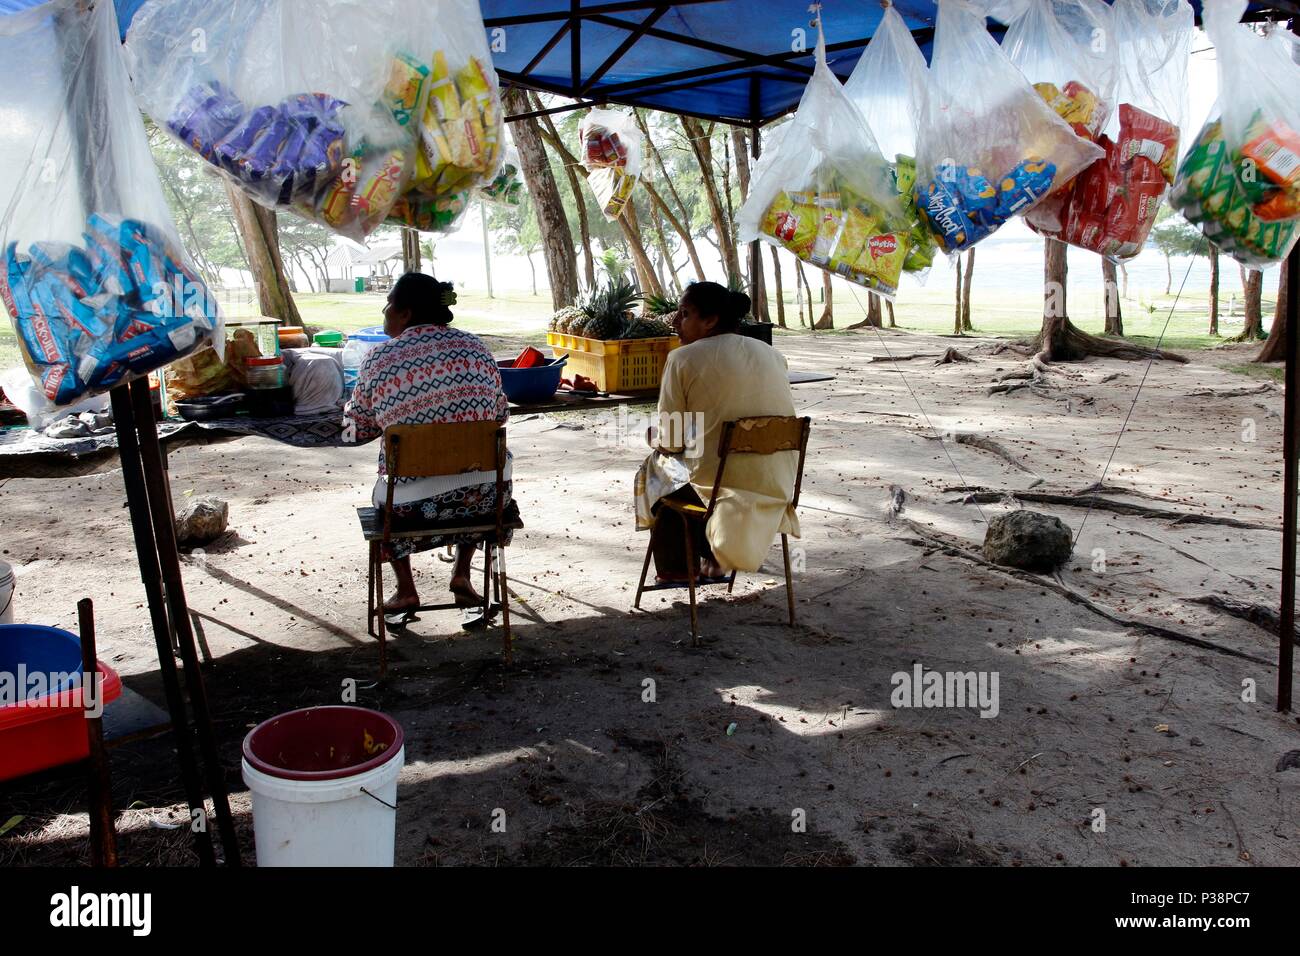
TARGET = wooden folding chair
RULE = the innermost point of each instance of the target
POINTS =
(424, 451)
(765, 435)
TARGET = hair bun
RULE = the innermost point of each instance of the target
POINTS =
(739, 304)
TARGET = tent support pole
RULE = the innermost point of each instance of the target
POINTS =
(1286, 645)
(147, 553)
(169, 562)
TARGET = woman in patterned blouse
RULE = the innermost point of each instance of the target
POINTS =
(428, 372)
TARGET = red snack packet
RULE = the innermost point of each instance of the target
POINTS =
(1141, 134)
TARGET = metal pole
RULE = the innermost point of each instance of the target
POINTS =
(164, 525)
(1286, 645)
(147, 554)
(487, 248)
(756, 278)
(103, 839)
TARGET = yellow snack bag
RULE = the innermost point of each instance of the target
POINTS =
(792, 224)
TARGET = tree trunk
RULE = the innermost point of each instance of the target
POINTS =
(803, 291)
(776, 275)
(663, 249)
(1123, 271)
(890, 306)
(702, 147)
(579, 202)
(532, 269)
(1059, 340)
(827, 320)
(645, 270)
(676, 219)
(557, 241)
(757, 286)
(956, 320)
(1110, 292)
(873, 318)
(1214, 289)
(1169, 275)
(965, 291)
(411, 247)
(1253, 295)
(1274, 349)
(260, 235)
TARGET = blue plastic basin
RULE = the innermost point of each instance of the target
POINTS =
(529, 386)
(44, 650)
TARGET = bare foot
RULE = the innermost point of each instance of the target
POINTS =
(401, 602)
(711, 569)
(466, 596)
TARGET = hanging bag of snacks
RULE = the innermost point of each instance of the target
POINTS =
(888, 86)
(825, 192)
(1066, 49)
(1240, 183)
(991, 148)
(94, 278)
(609, 144)
(1111, 207)
(334, 110)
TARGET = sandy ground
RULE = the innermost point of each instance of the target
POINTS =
(1098, 714)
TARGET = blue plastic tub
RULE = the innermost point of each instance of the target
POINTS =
(38, 649)
(529, 386)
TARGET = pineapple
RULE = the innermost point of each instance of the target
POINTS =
(606, 308)
(656, 305)
(564, 320)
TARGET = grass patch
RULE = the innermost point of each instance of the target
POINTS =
(1275, 373)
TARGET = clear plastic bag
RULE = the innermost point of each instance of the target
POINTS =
(1240, 183)
(1065, 48)
(827, 194)
(889, 87)
(609, 144)
(1111, 207)
(991, 147)
(507, 189)
(335, 110)
(92, 273)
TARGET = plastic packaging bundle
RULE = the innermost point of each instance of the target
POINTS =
(610, 147)
(92, 273)
(1065, 48)
(508, 187)
(336, 111)
(992, 148)
(888, 86)
(827, 194)
(1111, 206)
(1241, 180)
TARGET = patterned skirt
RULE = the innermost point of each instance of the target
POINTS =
(471, 504)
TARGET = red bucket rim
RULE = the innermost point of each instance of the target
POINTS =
(271, 770)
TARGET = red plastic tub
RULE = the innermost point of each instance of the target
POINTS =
(48, 730)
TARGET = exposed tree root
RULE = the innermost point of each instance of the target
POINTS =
(1073, 344)
(956, 548)
(992, 447)
(1257, 614)
(900, 358)
(1231, 392)
(952, 355)
(1085, 500)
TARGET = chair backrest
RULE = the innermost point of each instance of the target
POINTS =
(451, 448)
(763, 435)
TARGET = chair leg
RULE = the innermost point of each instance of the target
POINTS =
(690, 579)
(507, 648)
(731, 582)
(370, 590)
(645, 568)
(488, 580)
(382, 624)
(789, 580)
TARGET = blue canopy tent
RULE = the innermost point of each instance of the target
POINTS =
(746, 62)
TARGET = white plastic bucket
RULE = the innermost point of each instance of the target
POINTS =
(6, 593)
(348, 819)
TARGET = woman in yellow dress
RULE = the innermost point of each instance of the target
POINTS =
(716, 376)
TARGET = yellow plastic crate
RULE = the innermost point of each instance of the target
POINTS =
(617, 365)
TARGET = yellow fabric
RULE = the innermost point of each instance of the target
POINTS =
(716, 380)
